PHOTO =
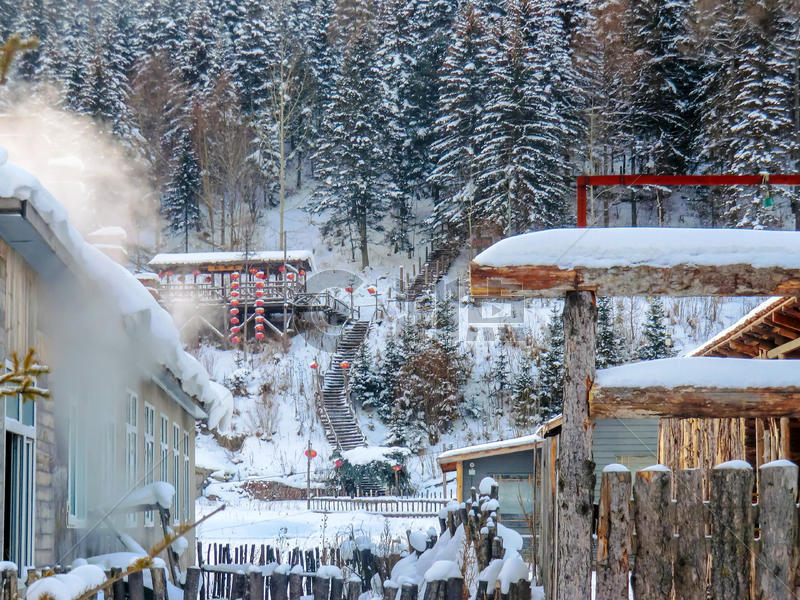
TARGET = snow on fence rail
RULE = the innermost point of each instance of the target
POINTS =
(389, 506)
(671, 520)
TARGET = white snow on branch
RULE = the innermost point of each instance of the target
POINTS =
(369, 454)
(158, 493)
(652, 246)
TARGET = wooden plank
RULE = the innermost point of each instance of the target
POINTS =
(778, 523)
(576, 468)
(691, 560)
(159, 579)
(731, 530)
(689, 401)
(682, 280)
(652, 570)
(614, 535)
(192, 585)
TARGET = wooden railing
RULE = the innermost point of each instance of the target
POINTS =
(389, 506)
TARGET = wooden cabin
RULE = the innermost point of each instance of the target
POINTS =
(119, 416)
(770, 331)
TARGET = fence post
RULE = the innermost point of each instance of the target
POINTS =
(614, 533)
(277, 586)
(255, 581)
(159, 579)
(775, 579)
(454, 589)
(321, 589)
(10, 584)
(652, 569)
(409, 591)
(731, 529)
(118, 586)
(691, 555)
(389, 590)
(337, 588)
(295, 586)
(353, 588)
(135, 586)
(192, 585)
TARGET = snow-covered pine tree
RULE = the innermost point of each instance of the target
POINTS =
(524, 405)
(181, 201)
(363, 380)
(351, 158)
(386, 377)
(609, 347)
(32, 20)
(462, 94)
(551, 367)
(656, 340)
(194, 64)
(500, 378)
(445, 325)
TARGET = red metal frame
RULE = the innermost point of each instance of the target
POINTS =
(585, 181)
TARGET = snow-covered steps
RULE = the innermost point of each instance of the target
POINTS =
(336, 412)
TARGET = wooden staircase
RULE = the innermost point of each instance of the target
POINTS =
(336, 411)
(438, 264)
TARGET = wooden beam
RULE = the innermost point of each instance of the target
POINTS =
(687, 401)
(784, 348)
(550, 281)
(787, 320)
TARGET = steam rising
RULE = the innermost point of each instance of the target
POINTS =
(96, 178)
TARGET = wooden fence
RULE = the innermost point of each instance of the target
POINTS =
(388, 506)
(689, 548)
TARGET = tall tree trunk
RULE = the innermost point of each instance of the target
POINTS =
(282, 166)
(362, 237)
(576, 467)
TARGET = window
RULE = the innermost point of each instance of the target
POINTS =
(187, 497)
(23, 411)
(176, 472)
(110, 454)
(132, 448)
(76, 485)
(163, 458)
(149, 453)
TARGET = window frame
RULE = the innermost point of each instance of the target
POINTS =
(76, 473)
(187, 496)
(176, 473)
(149, 447)
(132, 448)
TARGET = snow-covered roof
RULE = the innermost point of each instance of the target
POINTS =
(367, 454)
(130, 297)
(759, 311)
(499, 447)
(702, 372)
(113, 232)
(188, 259)
(651, 246)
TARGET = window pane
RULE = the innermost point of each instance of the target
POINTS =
(28, 412)
(12, 407)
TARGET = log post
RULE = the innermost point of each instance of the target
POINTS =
(136, 586)
(454, 589)
(295, 586)
(337, 588)
(775, 577)
(576, 473)
(691, 558)
(159, 579)
(353, 588)
(409, 591)
(277, 585)
(614, 533)
(10, 584)
(731, 529)
(321, 589)
(119, 586)
(255, 583)
(389, 590)
(652, 570)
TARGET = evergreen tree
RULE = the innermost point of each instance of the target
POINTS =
(656, 342)
(551, 368)
(525, 409)
(32, 21)
(386, 378)
(363, 380)
(500, 380)
(351, 159)
(445, 324)
(609, 347)
(181, 200)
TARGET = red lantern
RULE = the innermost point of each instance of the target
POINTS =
(209, 279)
(252, 270)
(397, 468)
(290, 276)
(259, 302)
(259, 327)
(234, 302)
(259, 310)
(169, 273)
(234, 320)
(344, 364)
(235, 275)
(259, 284)
(310, 453)
(236, 339)
(314, 365)
(161, 274)
(234, 294)
(235, 330)
(259, 335)
(280, 269)
(259, 293)
(260, 318)
(195, 272)
(348, 289)
(338, 463)
(302, 273)
(234, 311)
(260, 274)
(371, 290)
